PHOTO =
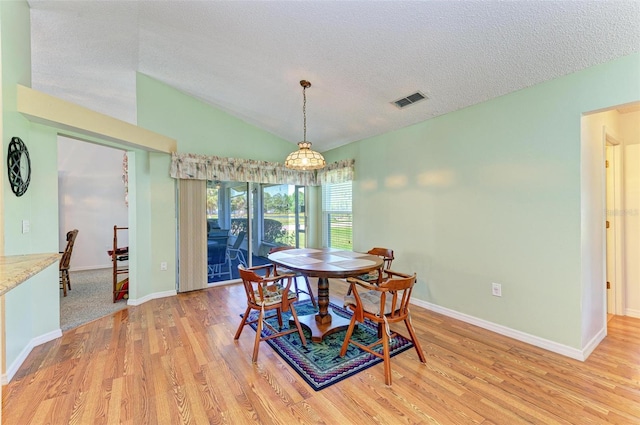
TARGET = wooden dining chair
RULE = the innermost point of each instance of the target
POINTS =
(282, 270)
(384, 304)
(386, 254)
(265, 293)
(376, 276)
(65, 261)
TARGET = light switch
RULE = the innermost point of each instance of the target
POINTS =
(25, 226)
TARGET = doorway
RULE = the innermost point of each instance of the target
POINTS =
(619, 128)
(622, 124)
(92, 199)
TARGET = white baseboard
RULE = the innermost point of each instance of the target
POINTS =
(150, 297)
(597, 339)
(546, 344)
(632, 313)
(13, 368)
(223, 283)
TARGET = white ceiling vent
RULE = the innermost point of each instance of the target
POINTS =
(409, 100)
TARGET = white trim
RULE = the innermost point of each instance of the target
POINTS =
(224, 283)
(83, 268)
(13, 368)
(155, 295)
(546, 344)
(597, 339)
(632, 313)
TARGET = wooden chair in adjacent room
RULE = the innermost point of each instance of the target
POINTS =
(384, 303)
(282, 270)
(265, 293)
(65, 261)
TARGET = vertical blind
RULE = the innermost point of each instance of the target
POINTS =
(192, 266)
(337, 215)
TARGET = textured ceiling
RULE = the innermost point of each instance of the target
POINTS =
(247, 57)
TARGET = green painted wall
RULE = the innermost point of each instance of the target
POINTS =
(16, 69)
(152, 224)
(202, 129)
(198, 128)
(491, 193)
(163, 221)
(31, 310)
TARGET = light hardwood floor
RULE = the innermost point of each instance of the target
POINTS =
(174, 361)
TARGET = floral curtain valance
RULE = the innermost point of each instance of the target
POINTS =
(337, 172)
(205, 167)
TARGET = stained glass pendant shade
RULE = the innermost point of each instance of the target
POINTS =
(305, 158)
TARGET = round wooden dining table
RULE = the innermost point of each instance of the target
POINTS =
(324, 264)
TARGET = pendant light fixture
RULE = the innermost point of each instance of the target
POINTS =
(304, 158)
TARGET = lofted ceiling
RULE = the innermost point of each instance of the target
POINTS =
(247, 57)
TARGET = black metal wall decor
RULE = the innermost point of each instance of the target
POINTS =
(18, 166)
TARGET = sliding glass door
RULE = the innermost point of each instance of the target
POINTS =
(246, 220)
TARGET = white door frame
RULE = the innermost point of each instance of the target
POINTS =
(610, 139)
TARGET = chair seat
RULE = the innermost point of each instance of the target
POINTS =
(372, 276)
(283, 270)
(273, 297)
(370, 302)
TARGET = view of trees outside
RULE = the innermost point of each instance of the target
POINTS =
(238, 197)
(212, 202)
(278, 203)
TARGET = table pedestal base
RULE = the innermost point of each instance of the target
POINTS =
(319, 331)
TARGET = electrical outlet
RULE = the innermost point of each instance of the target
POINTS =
(496, 289)
(163, 265)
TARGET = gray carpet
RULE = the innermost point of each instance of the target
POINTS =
(90, 298)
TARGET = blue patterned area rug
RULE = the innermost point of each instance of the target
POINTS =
(320, 364)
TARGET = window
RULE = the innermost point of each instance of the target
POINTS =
(337, 216)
